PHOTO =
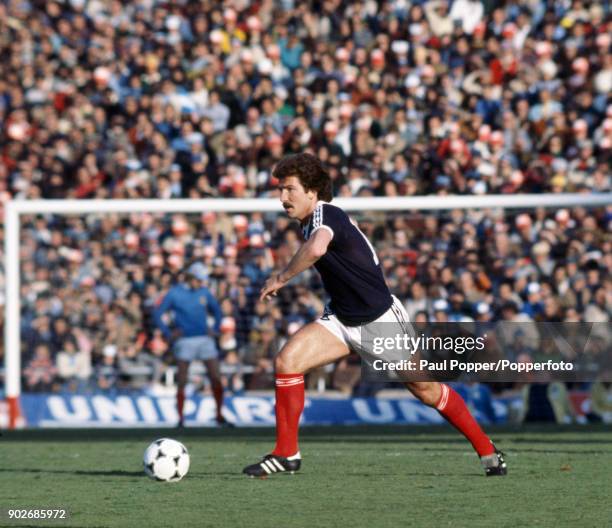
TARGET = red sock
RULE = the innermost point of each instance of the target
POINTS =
(217, 389)
(289, 407)
(180, 402)
(454, 409)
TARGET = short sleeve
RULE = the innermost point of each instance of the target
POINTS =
(328, 217)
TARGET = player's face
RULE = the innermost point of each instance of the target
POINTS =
(298, 202)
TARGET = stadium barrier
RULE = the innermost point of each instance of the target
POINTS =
(255, 409)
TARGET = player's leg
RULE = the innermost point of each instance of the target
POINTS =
(214, 374)
(312, 346)
(181, 382)
(207, 351)
(447, 401)
(184, 352)
(451, 405)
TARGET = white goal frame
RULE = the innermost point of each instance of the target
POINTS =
(15, 208)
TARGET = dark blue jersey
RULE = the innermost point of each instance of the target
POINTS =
(350, 270)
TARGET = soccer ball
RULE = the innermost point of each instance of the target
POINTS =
(166, 460)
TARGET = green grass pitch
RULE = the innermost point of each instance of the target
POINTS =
(352, 476)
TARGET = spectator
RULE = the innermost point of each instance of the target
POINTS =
(601, 401)
(73, 365)
(40, 371)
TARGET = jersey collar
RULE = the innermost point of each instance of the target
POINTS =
(309, 218)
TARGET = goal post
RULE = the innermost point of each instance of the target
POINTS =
(16, 208)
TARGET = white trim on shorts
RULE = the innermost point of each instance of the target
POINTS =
(351, 335)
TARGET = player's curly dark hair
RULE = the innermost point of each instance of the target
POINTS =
(309, 170)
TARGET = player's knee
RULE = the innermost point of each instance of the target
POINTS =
(287, 362)
(427, 392)
(282, 364)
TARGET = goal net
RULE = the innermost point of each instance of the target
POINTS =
(83, 279)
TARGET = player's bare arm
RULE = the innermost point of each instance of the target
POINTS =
(311, 251)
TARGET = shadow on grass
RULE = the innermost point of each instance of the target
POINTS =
(114, 472)
(206, 474)
(96, 473)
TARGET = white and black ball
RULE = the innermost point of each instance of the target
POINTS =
(166, 460)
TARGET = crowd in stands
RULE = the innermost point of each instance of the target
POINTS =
(90, 284)
(185, 99)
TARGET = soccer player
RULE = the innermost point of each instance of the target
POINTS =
(191, 302)
(353, 278)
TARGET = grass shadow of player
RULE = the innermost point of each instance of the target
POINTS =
(236, 474)
(82, 472)
(365, 474)
(115, 472)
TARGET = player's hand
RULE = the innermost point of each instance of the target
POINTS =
(272, 285)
